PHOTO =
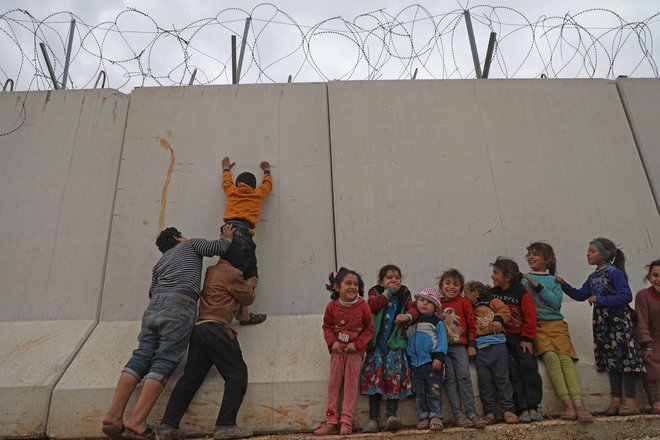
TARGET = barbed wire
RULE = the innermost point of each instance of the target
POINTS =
(134, 49)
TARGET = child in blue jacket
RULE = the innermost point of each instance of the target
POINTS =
(427, 348)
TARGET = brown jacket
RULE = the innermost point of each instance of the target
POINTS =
(224, 290)
(488, 310)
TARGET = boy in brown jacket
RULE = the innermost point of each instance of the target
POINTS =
(214, 342)
(491, 361)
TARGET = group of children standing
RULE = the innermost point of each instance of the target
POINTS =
(394, 344)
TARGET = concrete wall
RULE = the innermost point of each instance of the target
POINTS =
(640, 98)
(424, 174)
(58, 174)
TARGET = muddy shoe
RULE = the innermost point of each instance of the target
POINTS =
(255, 318)
(463, 422)
(372, 426)
(167, 432)
(535, 415)
(231, 432)
(393, 423)
(477, 421)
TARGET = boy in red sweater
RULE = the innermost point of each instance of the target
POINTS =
(458, 318)
(520, 333)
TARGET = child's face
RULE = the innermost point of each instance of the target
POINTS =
(536, 261)
(349, 288)
(499, 279)
(392, 280)
(472, 296)
(594, 257)
(654, 278)
(451, 287)
(424, 306)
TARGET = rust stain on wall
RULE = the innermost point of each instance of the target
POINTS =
(282, 410)
(163, 198)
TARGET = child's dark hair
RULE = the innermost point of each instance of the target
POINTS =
(167, 239)
(545, 250)
(610, 253)
(451, 274)
(649, 268)
(335, 278)
(480, 287)
(509, 268)
(383, 271)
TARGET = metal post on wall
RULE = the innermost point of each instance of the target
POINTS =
(243, 44)
(68, 53)
(489, 54)
(234, 80)
(49, 66)
(473, 44)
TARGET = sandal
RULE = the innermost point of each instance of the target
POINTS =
(628, 410)
(423, 424)
(510, 418)
(113, 432)
(569, 414)
(489, 418)
(436, 424)
(613, 409)
(583, 415)
(147, 434)
(656, 408)
(255, 318)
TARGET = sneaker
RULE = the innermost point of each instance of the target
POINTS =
(393, 423)
(326, 429)
(423, 424)
(463, 422)
(372, 426)
(167, 432)
(477, 421)
(231, 432)
(535, 415)
(436, 424)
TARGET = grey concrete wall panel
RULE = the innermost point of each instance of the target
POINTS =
(284, 124)
(437, 174)
(57, 184)
(33, 356)
(288, 366)
(641, 98)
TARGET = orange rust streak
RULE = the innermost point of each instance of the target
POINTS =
(163, 199)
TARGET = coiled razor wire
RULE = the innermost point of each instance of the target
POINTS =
(136, 50)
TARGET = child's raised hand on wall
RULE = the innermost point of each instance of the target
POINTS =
(227, 164)
(264, 165)
(436, 364)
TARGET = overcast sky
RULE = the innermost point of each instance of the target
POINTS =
(331, 51)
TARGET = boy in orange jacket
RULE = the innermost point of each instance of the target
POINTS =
(244, 202)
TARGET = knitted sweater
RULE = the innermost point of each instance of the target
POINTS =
(459, 321)
(348, 324)
(523, 312)
(548, 298)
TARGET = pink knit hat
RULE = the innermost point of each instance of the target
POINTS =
(432, 295)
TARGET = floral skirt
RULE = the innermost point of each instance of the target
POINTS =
(387, 374)
(615, 346)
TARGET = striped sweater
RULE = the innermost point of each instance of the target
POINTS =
(179, 270)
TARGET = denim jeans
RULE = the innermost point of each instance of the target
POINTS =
(427, 384)
(243, 239)
(458, 382)
(166, 327)
(210, 344)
